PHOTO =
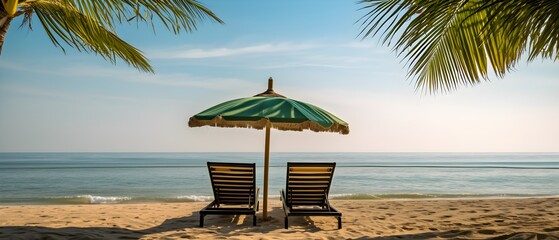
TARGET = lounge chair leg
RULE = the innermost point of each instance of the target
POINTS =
(339, 222)
(202, 220)
(286, 223)
(254, 220)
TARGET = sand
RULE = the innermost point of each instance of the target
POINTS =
(531, 218)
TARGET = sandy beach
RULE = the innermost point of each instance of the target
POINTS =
(531, 218)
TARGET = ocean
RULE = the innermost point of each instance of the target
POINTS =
(108, 178)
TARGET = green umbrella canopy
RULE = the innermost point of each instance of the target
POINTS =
(282, 113)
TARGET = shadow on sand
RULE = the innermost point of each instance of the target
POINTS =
(223, 226)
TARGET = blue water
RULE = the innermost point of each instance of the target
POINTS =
(81, 178)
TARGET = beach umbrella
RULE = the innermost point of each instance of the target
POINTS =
(265, 111)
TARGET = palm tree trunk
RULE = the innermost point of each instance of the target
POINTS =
(4, 29)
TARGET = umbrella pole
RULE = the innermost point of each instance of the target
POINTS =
(266, 168)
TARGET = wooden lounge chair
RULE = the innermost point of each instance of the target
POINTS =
(306, 191)
(233, 184)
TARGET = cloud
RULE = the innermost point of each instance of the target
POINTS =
(362, 45)
(227, 52)
(73, 70)
(64, 95)
(133, 76)
(186, 80)
(321, 60)
(24, 68)
(164, 79)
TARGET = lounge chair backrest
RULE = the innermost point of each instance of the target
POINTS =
(233, 183)
(308, 183)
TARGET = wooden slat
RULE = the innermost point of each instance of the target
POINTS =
(308, 183)
(307, 203)
(229, 197)
(311, 175)
(232, 177)
(235, 192)
(243, 181)
(308, 197)
(233, 183)
(232, 174)
(319, 200)
(310, 169)
(231, 169)
(311, 191)
(229, 189)
(233, 200)
(306, 189)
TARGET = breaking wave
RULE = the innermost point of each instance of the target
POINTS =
(91, 199)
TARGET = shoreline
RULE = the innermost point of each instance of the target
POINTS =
(518, 218)
(111, 200)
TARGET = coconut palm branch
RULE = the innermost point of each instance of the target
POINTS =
(89, 25)
(452, 43)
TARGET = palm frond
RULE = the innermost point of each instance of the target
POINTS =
(65, 23)
(453, 43)
(175, 15)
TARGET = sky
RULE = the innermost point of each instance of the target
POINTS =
(77, 102)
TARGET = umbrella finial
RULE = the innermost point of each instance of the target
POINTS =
(270, 92)
(270, 84)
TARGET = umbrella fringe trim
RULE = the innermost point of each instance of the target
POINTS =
(261, 124)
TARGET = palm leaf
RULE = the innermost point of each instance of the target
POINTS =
(453, 43)
(175, 15)
(64, 23)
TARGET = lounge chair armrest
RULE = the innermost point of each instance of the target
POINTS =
(256, 201)
(283, 198)
(327, 201)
